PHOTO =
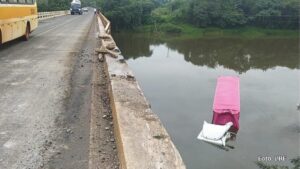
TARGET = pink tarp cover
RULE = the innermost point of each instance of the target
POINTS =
(226, 106)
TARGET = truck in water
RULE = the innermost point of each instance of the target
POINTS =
(76, 7)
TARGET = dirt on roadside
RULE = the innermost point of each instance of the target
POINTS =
(86, 137)
(103, 151)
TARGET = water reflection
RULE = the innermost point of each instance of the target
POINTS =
(181, 87)
(134, 46)
(240, 55)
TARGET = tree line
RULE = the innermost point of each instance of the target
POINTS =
(232, 13)
(129, 14)
(57, 5)
(203, 13)
(53, 5)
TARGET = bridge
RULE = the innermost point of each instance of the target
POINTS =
(69, 100)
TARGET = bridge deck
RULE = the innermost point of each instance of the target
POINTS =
(37, 123)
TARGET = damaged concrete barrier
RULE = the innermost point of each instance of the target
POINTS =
(142, 140)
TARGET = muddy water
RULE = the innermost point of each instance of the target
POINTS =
(179, 78)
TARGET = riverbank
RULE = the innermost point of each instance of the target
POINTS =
(186, 31)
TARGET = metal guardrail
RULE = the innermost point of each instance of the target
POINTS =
(48, 15)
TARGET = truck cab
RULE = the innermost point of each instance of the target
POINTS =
(76, 8)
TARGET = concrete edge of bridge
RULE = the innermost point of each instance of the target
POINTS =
(142, 141)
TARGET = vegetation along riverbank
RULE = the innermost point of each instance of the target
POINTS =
(197, 18)
(200, 18)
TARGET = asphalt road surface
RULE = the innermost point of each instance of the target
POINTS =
(45, 95)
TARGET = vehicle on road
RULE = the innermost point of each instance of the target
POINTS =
(18, 18)
(85, 9)
(76, 7)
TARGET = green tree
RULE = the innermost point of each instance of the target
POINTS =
(53, 5)
(128, 14)
(216, 13)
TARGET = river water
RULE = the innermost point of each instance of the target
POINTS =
(179, 78)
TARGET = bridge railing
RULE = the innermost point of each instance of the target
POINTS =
(106, 23)
(48, 15)
(141, 139)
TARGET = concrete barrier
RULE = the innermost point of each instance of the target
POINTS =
(53, 14)
(142, 140)
(106, 23)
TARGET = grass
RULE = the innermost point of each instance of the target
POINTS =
(186, 31)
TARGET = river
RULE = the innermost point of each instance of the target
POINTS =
(179, 78)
